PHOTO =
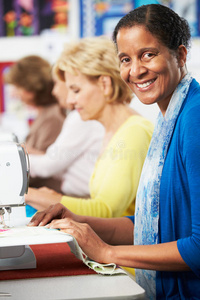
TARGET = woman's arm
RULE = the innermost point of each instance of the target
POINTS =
(165, 257)
(42, 198)
(116, 231)
(160, 257)
(95, 236)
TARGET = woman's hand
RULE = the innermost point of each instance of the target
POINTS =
(91, 244)
(57, 211)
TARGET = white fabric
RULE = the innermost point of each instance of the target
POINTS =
(104, 269)
(72, 156)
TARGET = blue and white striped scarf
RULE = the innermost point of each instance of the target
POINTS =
(147, 201)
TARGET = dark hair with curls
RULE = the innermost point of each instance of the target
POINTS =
(162, 22)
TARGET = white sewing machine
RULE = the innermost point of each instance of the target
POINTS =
(15, 152)
(14, 174)
(15, 252)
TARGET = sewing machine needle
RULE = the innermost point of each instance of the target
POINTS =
(3, 222)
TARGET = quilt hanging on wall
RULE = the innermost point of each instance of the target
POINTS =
(99, 17)
(31, 17)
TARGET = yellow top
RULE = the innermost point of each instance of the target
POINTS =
(114, 182)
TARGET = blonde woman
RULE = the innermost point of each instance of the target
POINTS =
(90, 68)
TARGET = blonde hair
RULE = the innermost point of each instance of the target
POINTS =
(94, 57)
(33, 73)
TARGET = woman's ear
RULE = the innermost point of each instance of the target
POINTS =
(106, 84)
(182, 55)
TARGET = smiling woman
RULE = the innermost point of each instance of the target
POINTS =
(166, 250)
(151, 72)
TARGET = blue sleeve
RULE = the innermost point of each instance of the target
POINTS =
(132, 218)
(189, 247)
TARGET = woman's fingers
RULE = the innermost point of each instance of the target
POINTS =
(88, 240)
(44, 217)
(37, 219)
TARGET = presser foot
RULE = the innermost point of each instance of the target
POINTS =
(2, 221)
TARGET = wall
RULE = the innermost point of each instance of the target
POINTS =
(50, 46)
(47, 45)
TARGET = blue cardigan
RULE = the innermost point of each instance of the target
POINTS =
(180, 201)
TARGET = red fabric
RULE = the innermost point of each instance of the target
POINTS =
(52, 260)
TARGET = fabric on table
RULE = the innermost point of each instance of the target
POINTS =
(104, 269)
